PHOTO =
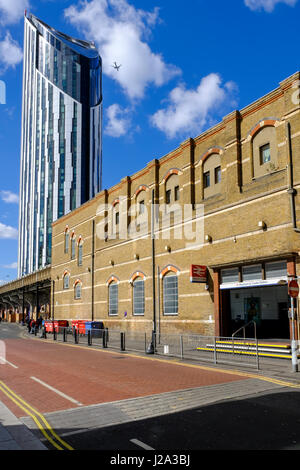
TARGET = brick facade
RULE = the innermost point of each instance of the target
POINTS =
(247, 219)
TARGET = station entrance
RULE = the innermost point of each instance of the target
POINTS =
(256, 293)
(266, 306)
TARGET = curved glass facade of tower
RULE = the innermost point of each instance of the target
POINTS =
(61, 148)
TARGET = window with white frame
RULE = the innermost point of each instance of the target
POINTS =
(66, 281)
(170, 294)
(265, 154)
(67, 239)
(113, 293)
(77, 290)
(80, 253)
(138, 297)
(73, 248)
(265, 151)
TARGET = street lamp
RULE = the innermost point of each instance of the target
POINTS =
(151, 347)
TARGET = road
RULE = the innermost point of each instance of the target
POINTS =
(75, 397)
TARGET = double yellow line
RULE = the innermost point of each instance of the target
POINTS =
(37, 417)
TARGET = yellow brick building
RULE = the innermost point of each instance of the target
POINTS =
(231, 197)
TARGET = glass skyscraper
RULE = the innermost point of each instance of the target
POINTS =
(61, 147)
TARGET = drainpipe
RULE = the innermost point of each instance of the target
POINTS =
(93, 270)
(53, 290)
(151, 347)
(291, 190)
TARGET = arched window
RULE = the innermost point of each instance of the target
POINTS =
(141, 215)
(77, 290)
(67, 239)
(172, 188)
(73, 246)
(264, 148)
(212, 175)
(138, 286)
(113, 296)
(114, 222)
(80, 251)
(170, 291)
(66, 280)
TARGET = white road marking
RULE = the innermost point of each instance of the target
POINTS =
(56, 391)
(7, 362)
(141, 444)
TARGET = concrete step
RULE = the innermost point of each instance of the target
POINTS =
(273, 350)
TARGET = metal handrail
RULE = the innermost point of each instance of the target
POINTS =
(244, 329)
(255, 337)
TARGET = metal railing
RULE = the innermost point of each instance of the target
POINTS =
(192, 347)
(243, 328)
(246, 346)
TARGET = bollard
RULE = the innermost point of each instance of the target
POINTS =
(122, 341)
(104, 337)
(295, 355)
(75, 336)
(181, 347)
(151, 347)
(65, 335)
(54, 334)
(44, 333)
(89, 337)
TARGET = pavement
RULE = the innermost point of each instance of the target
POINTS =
(21, 434)
(15, 435)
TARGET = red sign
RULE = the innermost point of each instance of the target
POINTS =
(198, 273)
(293, 288)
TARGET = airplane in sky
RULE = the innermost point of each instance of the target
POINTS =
(115, 66)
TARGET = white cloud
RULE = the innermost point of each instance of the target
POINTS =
(9, 197)
(267, 5)
(120, 32)
(11, 11)
(10, 52)
(189, 111)
(11, 266)
(119, 121)
(6, 231)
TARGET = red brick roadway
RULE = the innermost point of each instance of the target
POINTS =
(92, 376)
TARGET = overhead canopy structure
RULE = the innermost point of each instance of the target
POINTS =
(26, 293)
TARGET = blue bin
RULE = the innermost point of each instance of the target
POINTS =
(98, 327)
(88, 326)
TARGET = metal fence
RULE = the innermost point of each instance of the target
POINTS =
(239, 351)
(209, 349)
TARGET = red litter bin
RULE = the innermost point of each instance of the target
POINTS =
(81, 327)
(60, 324)
(49, 326)
(75, 324)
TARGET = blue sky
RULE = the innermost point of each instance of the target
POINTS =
(184, 65)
